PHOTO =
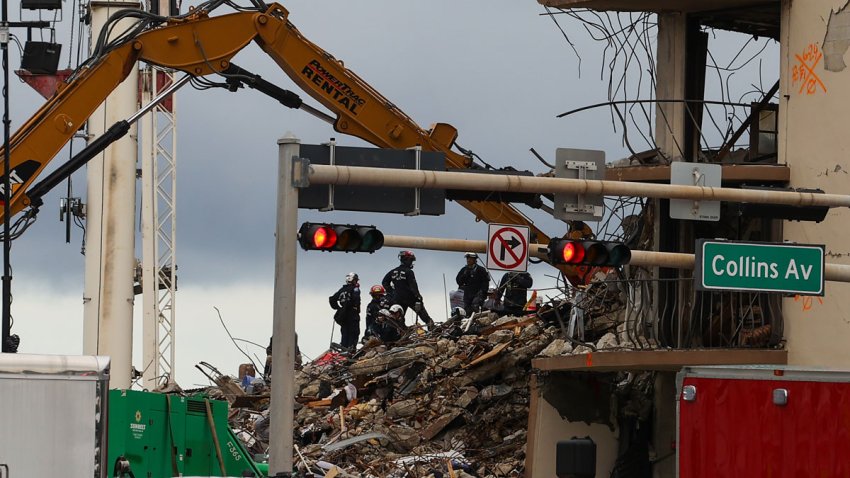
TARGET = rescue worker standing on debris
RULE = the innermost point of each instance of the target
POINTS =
(473, 280)
(346, 302)
(401, 287)
(390, 325)
(514, 286)
(379, 301)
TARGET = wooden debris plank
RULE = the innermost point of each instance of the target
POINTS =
(437, 426)
(319, 403)
(487, 356)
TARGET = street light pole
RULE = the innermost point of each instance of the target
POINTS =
(283, 313)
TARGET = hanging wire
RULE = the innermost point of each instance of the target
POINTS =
(628, 67)
(17, 42)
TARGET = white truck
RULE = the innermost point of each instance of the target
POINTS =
(52, 415)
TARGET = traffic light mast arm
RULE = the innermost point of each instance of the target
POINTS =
(368, 176)
(668, 260)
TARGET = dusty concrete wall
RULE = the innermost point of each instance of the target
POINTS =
(814, 142)
(552, 428)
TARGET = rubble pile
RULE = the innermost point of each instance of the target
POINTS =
(451, 401)
(446, 402)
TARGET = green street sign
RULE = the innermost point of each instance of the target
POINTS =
(759, 266)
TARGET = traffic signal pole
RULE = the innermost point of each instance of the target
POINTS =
(668, 260)
(364, 176)
(283, 320)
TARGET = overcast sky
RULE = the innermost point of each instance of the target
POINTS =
(499, 71)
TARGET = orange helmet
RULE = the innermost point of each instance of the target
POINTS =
(377, 290)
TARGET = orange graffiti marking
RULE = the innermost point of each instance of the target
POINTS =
(807, 301)
(804, 71)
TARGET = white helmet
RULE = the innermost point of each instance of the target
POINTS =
(396, 309)
(351, 277)
(459, 311)
(471, 255)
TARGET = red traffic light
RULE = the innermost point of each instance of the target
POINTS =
(572, 253)
(340, 237)
(317, 237)
(591, 253)
(324, 238)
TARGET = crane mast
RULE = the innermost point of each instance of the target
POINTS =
(159, 228)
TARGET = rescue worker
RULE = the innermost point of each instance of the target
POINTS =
(514, 286)
(473, 280)
(401, 287)
(247, 373)
(379, 301)
(390, 325)
(493, 302)
(267, 370)
(346, 302)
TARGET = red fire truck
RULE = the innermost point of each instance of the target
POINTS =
(763, 421)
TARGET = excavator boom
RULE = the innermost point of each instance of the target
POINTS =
(202, 45)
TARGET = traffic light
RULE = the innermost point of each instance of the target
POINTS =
(588, 253)
(789, 213)
(340, 237)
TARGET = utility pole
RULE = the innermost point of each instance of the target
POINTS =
(110, 233)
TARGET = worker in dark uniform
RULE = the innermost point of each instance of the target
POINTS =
(379, 301)
(514, 286)
(473, 280)
(346, 302)
(390, 324)
(401, 287)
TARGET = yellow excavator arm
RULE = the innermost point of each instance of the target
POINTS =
(202, 45)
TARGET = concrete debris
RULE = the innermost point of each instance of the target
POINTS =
(607, 341)
(557, 347)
